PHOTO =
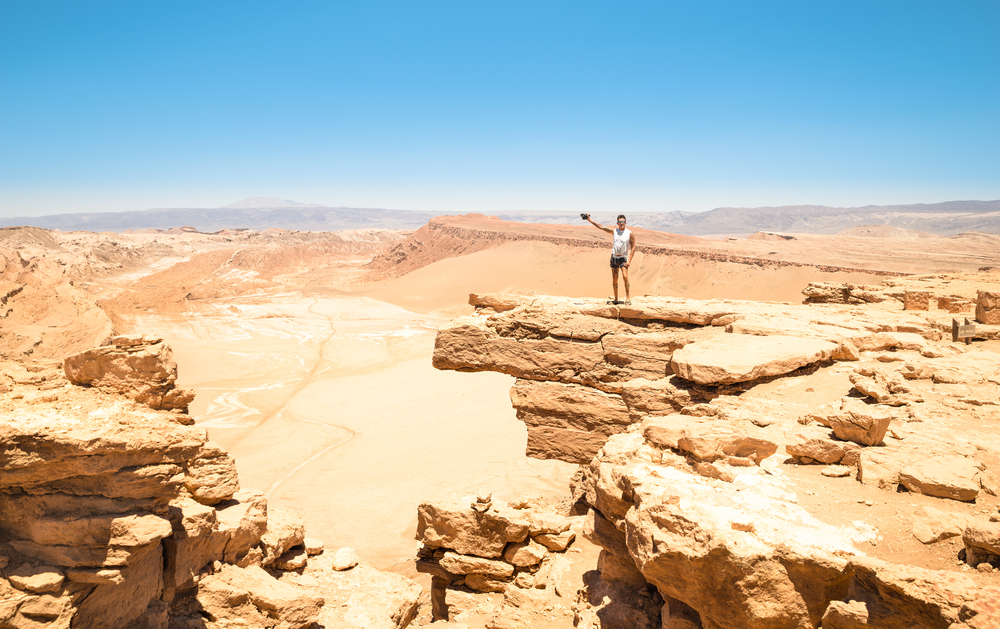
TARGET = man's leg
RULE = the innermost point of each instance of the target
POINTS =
(625, 277)
(614, 281)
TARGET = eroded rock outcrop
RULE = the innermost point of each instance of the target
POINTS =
(705, 479)
(139, 367)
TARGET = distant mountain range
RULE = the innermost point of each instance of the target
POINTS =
(952, 217)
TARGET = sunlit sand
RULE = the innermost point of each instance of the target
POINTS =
(330, 406)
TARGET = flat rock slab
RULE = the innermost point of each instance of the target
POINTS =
(731, 358)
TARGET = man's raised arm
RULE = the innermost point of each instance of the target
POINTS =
(587, 218)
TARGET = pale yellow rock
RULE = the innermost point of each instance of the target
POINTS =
(211, 476)
(557, 542)
(38, 580)
(454, 525)
(733, 358)
(932, 525)
(862, 424)
(816, 444)
(289, 604)
(243, 521)
(313, 546)
(466, 564)
(143, 371)
(294, 559)
(344, 559)
(524, 554)
(954, 477)
(485, 583)
(285, 529)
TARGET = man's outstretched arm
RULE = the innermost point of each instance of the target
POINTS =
(598, 225)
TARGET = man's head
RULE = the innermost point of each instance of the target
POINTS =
(621, 221)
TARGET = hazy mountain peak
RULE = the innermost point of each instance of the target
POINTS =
(265, 202)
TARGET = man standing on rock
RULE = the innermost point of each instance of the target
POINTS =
(622, 250)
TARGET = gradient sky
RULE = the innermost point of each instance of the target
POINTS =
(494, 106)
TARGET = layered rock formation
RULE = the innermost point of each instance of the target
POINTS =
(472, 546)
(139, 367)
(115, 514)
(764, 465)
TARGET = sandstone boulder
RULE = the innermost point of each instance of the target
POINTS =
(733, 358)
(524, 554)
(932, 525)
(211, 476)
(455, 563)
(944, 476)
(916, 300)
(817, 445)
(284, 530)
(138, 367)
(988, 307)
(288, 604)
(455, 525)
(862, 424)
(982, 541)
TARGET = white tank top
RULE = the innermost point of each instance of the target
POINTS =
(622, 237)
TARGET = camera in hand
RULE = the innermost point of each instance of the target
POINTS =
(584, 215)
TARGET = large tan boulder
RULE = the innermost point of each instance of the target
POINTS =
(707, 441)
(211, 476)
(455, 563)
(982, 541)
(944, 476)
(294, 607)
(139, 367)
(285, 529)
(657, 397)
(816, 444)
(467, 344)
(645, 355)
(194, 543)
(569, 406)
(880, 467)
(863, 424)
(932, 525)
(988, 307)
(732, 358)
(916, 300)
(243, 521)
(455, 525)
(563, 444)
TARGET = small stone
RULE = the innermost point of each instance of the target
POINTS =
(524, 580)
(38, 580)
(836, 471)
(344, 559)
(294, 559)
(984, 567)
(870, 503)
(313, 546)
(524, 554)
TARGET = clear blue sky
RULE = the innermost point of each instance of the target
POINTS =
(492, 106)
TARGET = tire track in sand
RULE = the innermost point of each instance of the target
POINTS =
(318, 368)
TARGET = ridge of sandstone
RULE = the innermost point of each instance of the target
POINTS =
(760, 465)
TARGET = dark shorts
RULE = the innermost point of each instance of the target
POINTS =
(617, 263)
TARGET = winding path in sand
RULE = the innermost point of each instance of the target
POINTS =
(330, 405)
